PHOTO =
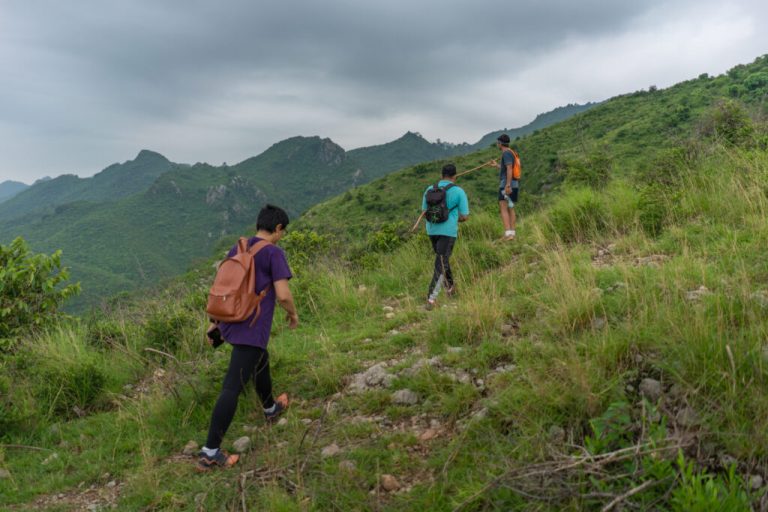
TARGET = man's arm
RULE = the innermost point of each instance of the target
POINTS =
(285, 299)
(510, 171)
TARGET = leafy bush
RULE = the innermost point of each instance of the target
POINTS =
(302, 246)
(30, 290)
(729, 122)
(665, 168)
(387, 238)
(756, 81)
(594, 171)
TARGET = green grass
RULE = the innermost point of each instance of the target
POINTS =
(567, 370)
(561, 326)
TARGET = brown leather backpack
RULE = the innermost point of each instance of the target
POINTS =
(233, 296)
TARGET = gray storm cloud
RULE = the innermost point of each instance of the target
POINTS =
(88, 83)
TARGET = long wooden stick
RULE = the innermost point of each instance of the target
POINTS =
(462, 173)
(418, 220)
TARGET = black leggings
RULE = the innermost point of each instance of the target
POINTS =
(443, 246)
(247, 362)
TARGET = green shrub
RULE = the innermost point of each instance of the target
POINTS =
(700, 491)
(31, 290)
(594, 171)
(728, 122)
(387, 238)
(303, 246)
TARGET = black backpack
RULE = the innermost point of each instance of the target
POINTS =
(437, 208)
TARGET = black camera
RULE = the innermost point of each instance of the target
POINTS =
(214, 336)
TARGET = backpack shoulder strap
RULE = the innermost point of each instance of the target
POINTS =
(449, 186)
(242, 245)
(255, 248)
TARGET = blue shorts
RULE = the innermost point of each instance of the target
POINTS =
(511, 199)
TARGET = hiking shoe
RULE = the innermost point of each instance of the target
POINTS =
(508, 238)
(221, 460)
(430, 305)
(281, 404)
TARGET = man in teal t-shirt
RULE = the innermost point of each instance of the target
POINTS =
(443, 234)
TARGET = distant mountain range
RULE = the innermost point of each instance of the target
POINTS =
(9, 189)
(148, 218)
(541, 121)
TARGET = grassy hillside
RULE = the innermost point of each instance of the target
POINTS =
(638, 133)
(613, 356)
(148, 219)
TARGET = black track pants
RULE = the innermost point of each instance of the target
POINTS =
(245, 364)
(443, 246)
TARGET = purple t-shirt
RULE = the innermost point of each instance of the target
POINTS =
(271, 266)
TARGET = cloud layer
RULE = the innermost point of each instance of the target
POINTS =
(88, 83)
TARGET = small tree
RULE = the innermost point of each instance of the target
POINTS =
(31, 290)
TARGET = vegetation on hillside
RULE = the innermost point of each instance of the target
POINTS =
(613, 356)
(149, 219)
(634, 134)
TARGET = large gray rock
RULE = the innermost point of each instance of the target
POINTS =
(191, 448)
(374, 377)
(389, 483)
(330, 451)
(405, 397)
(651, 389)
(687, 417)
(242, 444)
(556, 434)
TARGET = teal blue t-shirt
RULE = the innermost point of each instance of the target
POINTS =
(456, 200)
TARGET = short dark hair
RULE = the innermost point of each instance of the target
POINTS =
(503, 139)
(270, 217)
(449, 170)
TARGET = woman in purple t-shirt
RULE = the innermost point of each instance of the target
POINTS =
(250, 359)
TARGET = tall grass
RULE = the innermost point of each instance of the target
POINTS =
(561, 326)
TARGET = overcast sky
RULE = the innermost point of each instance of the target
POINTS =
(87, 83)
